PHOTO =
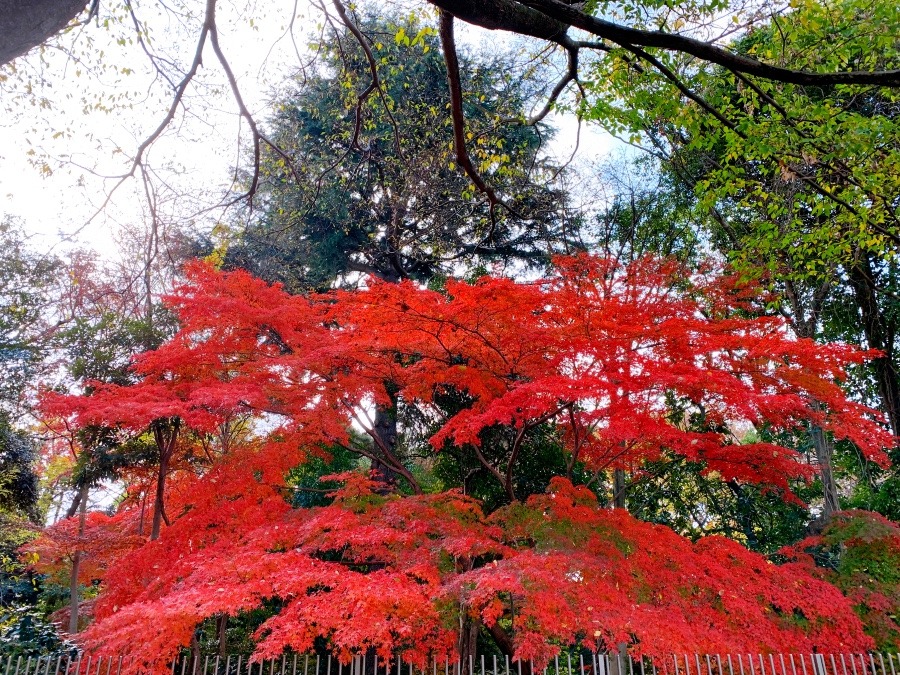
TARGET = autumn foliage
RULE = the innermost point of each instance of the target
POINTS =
(859, 552)
(100, 541)
(597, 353)
(399, 573)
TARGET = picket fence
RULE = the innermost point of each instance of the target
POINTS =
(579, 663)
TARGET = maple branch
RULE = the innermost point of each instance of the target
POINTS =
(272, 335)
(387, 455)
(517, 445)
(625, 448)
(494, 471)
(577, 444)
(513, 456)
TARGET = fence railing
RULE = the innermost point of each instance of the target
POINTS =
(568, 663)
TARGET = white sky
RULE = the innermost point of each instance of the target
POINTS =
(196, 156)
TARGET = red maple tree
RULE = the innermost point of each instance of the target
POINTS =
(596, 352)
(98, 542)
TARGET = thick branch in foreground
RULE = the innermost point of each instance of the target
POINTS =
(525, 18)
(508, 15)
(25, 24)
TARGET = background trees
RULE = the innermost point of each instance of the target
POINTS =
(366, 182)
(562, 32)
(27, 285)
(788, 189)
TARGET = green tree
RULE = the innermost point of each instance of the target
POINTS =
(27, 323)
(27, 282)
(365, 179)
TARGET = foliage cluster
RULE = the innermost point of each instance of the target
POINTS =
(590, 358)
(859, 552)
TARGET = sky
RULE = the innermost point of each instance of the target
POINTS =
(59, 159)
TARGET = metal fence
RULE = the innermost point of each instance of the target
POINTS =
(568, 663)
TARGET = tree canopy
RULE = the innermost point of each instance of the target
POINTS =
(371, 186)
(596, 352)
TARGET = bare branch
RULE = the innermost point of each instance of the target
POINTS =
(571, 75)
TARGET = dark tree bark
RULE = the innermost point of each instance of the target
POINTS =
(25, 24)
(165, 433)
(76, 502)
(385, 428)
(744, 513)
(221, 632)
(468, 640)
(193, 666)
(550, 19)
(619, 489)
(878, 336)
(824, 450)
(76, 562)
(804, 316)
(508, 15)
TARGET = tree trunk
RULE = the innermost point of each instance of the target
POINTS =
(468, 640)
(618, 660)
(73, 593)
(143, 510)
(878, 336)
(824, 448)
(73, 507)
(744, 514)
(619, 489)
(805, 322)
(221, 628)
(385, 429)
(165, 433)
(158, 502)
(76, 562)
(195, 653)
(25, 24)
